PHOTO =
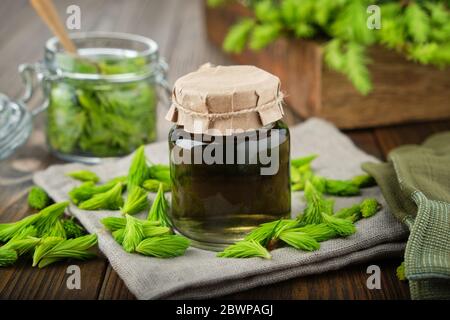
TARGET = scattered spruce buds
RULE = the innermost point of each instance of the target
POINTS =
(154, 236)
(146, 237)
(47, 236)
(87, 190)
(319, 222)
(301, 171)
(38, 198)
(142, 178)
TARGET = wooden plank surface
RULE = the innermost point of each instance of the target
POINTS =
(177, 25)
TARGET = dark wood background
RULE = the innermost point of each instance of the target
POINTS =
(178, 27)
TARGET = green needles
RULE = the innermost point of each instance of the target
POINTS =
(84, 175)
(166, 246)
(369, 207)
(159, 209)
(38, 198)
(133, 234)
(136, 201)
(142, 178)
(301, 172)
(46, 236)
(107, 119)
(319, 221)
(299, 240)
(53, 249)
(7, 257)
(419, 30)
(146, 237)
(245, 249)
(110, 200)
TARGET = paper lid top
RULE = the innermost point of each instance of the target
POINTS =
(225, 99)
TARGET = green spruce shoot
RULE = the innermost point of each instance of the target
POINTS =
(83, 175)
(314, 207)
(245, 249)
(73, 229)
(109, 200)
(342, 227)
(138, 171)
(300, 162)
(133, 234)
(159, 209)
(54, 249)
(353, 213)
(38, 198)
(166, 246)
(369, 207)
(7, 257)
(400, 272)
(114, 223)
(152, 185)
(23, 242)
(299, 240)
(136, 201)
(160, 172)
(151, 230)
(88, 189)
(46, 221)
(363, 181)
(319, 232)
(119, 235)
(341, 188)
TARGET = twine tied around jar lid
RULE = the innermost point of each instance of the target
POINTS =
(222, 100)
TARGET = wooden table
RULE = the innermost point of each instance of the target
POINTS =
(177, 25)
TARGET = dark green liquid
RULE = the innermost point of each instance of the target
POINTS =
(218, 204)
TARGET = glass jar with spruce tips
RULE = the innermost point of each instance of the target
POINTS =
(101, 102)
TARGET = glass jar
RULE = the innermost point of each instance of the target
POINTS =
(102, 102)
(216, 204)
(229, 154)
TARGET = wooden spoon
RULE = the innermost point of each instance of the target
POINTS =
(46, 10)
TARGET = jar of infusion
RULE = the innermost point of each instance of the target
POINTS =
(100, 102)
(229, 154)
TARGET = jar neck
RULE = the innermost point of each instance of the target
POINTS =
(112, 57)
(273, 125)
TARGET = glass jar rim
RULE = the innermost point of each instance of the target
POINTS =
(150, 53)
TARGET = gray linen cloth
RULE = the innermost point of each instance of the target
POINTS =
(199, 273)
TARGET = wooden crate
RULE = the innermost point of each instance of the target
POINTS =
(403, 91)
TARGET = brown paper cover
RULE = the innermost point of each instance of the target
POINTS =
(226, 99)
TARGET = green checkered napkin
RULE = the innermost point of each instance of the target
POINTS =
(416, 185)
